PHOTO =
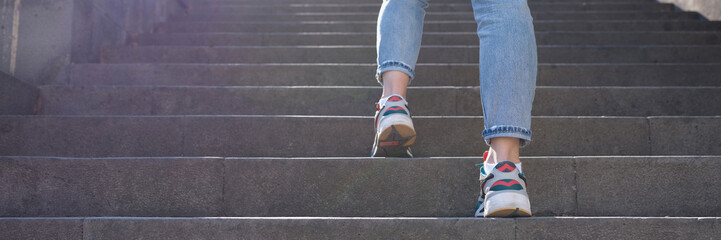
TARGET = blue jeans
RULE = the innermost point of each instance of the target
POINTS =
(508, 59)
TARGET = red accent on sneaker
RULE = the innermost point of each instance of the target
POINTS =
(394, 99)
(507, 184)
(395, 108)
(390, 143)
(505, 167)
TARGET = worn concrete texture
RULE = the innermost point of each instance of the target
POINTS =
(433, 9)
(111, 22)
(7, 18)
(683, 136)
(110, 187)
(299, 228)
(440, 26)
(352, 187)
(362, 74)
(369, 38)
(438, 187)
(617, 228)
(54, 33)
(354, 101)
(366, 228)
(538, 16)
(41, 228)
(44, 40)
(456, 16)
(17, 97)
(428, 54)
(648, 186)
(710, 9)
(102, 136)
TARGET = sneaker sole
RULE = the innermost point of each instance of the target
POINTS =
(395, 140)
(509, 212)
(508, 203)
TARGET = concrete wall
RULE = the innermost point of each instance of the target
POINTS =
(52, 34)
(710, 9)
(8, 34)
(17, 97)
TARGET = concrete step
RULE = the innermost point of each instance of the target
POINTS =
(368, 16)
(428, 54)
(275, 2)
(357, 187)
(432, 38)
(436, 26)
(318, 136)
(437, 16)
(362, 74)
(358, 101)
(432, 16)
(360, 228)
(433, 7)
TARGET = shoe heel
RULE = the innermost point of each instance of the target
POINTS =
(395, 141)
(507, 204)
(401, 134)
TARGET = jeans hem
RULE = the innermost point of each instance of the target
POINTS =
(394, 65)
(508, 131)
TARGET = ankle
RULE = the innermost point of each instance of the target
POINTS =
(504, 149)
(395, 82)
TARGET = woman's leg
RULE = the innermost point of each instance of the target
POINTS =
(508, 67)
(400, 27)
(399, 32)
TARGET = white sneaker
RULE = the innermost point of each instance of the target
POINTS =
(503, 193)
(394, 128)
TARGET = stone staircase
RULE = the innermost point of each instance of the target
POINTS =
(218, 125)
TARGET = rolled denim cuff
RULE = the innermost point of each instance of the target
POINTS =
(394, 65)
(507, 131)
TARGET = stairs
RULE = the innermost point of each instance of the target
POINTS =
(218, 126)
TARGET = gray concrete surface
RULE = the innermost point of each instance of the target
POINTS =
(17, 97)
(305, 74)
(352, 187)
(42, 228)
(299, 228)
(433, 38)
(434, 7)
(52, 34)
(273, 135)
(439, 26)
(677, 135)
(8, 31)
(380, 187)
(677, 186)
(617, 228)
(357, 101)
(465, 15)
(111, 187)
(370, 228)
(428, 54)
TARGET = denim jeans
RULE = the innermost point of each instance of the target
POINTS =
(508, 59)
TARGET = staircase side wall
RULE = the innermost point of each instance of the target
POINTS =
(17, 97)
(52, 34)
